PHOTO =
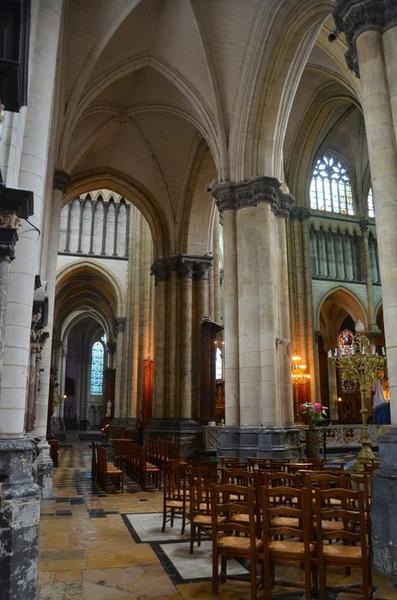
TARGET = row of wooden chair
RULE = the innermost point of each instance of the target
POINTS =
(187, 494)
(286, 533)
(131, 458)
(104, 471)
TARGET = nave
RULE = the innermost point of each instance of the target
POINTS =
(97, 546)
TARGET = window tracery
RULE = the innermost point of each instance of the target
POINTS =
(330, 187)
(97, 360)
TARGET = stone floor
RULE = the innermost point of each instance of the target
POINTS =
(91, 550)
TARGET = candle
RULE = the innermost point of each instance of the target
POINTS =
(336, 352)
(383, 351)
(329, 353)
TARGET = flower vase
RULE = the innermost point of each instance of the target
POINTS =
(312, 442)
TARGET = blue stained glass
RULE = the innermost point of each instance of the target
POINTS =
(97, 357)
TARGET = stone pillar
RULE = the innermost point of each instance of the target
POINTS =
(8, 237)
(216, 273)
(367, 273)
(171, 324)
(232, 356)
(185, 273)
(303, 341)
(257, 369)
(160, 271)
(19, 495)
(119, 328)
(363, 24)
(370, 27)
(60, 182)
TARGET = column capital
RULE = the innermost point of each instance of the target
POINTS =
(160, 269)
(185, 265)
(61, 180)
(119, 324)
(300, 213)
(353, 17)
(233, 196)
(364, 224)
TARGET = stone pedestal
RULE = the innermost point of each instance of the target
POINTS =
(19, 520)
(261, 442)
(185, 433)
(43, 468)
(384, 505)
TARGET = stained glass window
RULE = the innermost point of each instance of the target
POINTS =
(345, 344)
(330, 187)
(97, 357)
(218, 364)
(371, 205)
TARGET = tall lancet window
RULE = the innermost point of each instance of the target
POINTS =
(330, 187)
(371, 205)
(97, 360)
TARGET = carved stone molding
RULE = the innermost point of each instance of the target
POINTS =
(61, 180)
(160, 270)
(9, 223)
(233, 196)
(353, 17)
(300, 213)
(201, 270)
(185, 265)
(119, 324)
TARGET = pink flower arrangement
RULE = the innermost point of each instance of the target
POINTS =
(313, 413)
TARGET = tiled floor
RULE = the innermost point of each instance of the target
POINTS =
(87, 551)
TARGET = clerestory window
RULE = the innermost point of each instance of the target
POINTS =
(97, 359)
(371, 205)
(330, 187)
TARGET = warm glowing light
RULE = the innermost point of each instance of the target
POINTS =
(298, 371)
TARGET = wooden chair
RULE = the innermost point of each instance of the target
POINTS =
(231, 538)
(107, 471)
(175, 501)
(347, 545)
(200, 507)
(287, 532)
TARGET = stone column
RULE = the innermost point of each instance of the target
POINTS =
(60, 182)
(257, 371)
(300, 281)
(185, 273)
(119, 329)
(201, 291)
(232, 357)
(363, 24)
(8, 238)
(216, 273)
(160, 272)
(19, 495)
(370, 27)
(171, 324)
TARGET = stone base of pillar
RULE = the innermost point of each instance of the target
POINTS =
(186, 433)
(128, 423)
(384, 505)
(57, 425)
(19, 520)
(43, 468)
(261, 442)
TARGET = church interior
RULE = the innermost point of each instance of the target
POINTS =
(198, 283)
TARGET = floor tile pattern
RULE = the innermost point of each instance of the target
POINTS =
(87, 551)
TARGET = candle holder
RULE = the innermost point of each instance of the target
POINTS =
(361, 365)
